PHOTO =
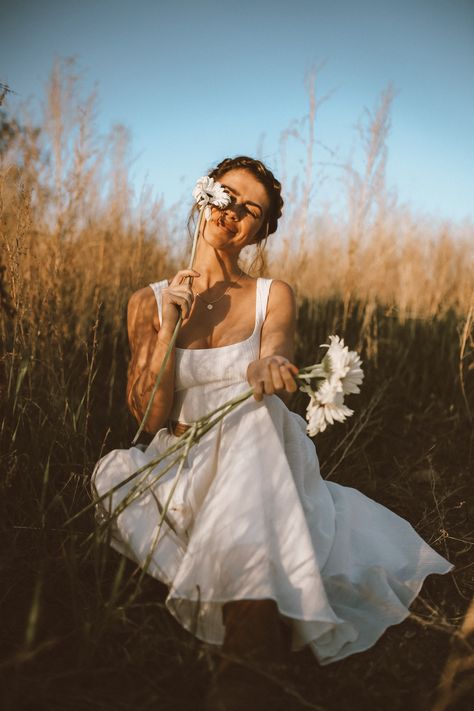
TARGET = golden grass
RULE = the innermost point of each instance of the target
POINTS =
(74, 245)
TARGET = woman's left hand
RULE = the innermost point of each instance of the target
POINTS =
(271, 375)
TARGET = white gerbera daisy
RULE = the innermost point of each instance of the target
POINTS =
(339, 374)
(345, 371)
(326, 406)
(207, 192)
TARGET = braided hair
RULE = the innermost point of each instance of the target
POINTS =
(265, 177)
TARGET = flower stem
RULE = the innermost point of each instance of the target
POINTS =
(190, 437)
(166, 506)
(203, 425)
(195, 239)
(173, 337)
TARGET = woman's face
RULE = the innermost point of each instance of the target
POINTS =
(238, 224)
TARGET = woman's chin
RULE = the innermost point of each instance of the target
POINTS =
(217, 235)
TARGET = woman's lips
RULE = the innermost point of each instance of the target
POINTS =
(226, 227)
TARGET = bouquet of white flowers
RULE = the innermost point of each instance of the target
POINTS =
(339, 374)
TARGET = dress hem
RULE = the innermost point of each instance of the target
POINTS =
(290, 617)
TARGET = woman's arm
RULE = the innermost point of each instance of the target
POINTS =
(149, 342)
(272, 372)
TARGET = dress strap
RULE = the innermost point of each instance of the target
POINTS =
(263, 290)
(157, 286)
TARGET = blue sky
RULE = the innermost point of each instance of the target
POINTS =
(197, 81)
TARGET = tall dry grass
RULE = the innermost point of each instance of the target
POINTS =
(377, 251)
(75, 243)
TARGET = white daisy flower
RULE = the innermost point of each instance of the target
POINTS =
(209, 192)
(354, 375)
(326, 406)
(339, 374)
(345, 370)
(315, 417)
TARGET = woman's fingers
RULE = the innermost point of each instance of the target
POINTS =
(180, 295)
(268, 386)
(276, 374)
(271, 374)
(180, 276)
(254, 378)
(186, 301)
(282, 371)
(185, 306)
(290, 384)
(182, 300)
(258, 390)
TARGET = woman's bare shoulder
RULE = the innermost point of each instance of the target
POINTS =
(141, 300)
(282, 286)
(142, 311)
(281, 293)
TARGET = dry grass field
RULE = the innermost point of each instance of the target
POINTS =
(77, 634)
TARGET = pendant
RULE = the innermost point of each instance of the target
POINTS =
(210, 306)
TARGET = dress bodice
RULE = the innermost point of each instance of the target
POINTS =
(207, 377)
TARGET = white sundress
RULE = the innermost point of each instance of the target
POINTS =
(252, 518)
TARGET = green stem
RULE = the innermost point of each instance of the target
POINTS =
(196, 431)
(166, 506)
(173, 337)
(136, 492)
(194, 435)
(203, 425)
(173, 448)
(158, 378)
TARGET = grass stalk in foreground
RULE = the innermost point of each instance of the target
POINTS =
(173, 337)
(202, 427)
(190, 437)
(164, 511)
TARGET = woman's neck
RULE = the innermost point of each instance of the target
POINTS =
(215, 266)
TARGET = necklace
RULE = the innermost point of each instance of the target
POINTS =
(210, 304)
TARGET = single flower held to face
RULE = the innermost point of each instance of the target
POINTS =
(207, 192)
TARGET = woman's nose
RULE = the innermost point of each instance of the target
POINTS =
(234, 211)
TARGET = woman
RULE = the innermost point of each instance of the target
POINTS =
(258, 544)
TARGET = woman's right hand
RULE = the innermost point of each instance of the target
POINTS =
(178, 298)
(271, 375)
